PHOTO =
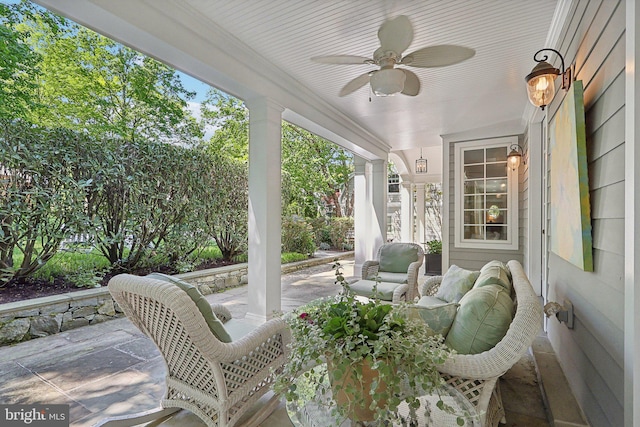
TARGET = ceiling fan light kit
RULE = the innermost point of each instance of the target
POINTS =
(388, 82)
(395, 37)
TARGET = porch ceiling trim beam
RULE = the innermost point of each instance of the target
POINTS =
(178, 35)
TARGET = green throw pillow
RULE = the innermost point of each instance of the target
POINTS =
(215, 325)
(500, 264)
(396, 257)
(482, 320)
(455, 283)
(493, 275)
(438, 318)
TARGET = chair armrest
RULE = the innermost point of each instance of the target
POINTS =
(430, 286)
(271, 340)
(412, 279)
(370, 268)
(221, 312)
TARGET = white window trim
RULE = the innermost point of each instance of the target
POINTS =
(512, 199)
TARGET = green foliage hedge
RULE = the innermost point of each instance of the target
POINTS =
(140, 202)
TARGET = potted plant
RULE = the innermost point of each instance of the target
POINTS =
(376, 355)
(433, 258)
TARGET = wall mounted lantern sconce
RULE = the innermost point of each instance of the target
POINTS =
(421, 164)
(540, 82)
(515, 157)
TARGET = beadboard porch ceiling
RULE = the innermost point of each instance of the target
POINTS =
(252, 48)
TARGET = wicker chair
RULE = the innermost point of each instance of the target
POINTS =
(216, 381)
(415, 256)
(476, 375)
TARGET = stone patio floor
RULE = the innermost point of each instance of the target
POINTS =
(112, 369)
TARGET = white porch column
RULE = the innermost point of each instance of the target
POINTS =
(361, 213)
(406, 211)
(379, 188)
(420, 224)
(264, 275)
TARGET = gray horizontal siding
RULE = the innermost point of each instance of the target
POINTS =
(591, 354)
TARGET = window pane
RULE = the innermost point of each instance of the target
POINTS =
(474, 232)
(497, 170)
(474, 202)
(496, 232)
(497, 154)
(485, 184)
(474, 217)
(474, 187)
(473, 156)
(496, 185)
(474, 172)
(496, 215)
(499, 200)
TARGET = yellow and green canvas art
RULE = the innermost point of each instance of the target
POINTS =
(570, 215)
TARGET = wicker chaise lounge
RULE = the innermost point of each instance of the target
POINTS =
(476, 375)
(217, 381)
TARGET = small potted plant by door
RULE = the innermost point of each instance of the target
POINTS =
(433, 258)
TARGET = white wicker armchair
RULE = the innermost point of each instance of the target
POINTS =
(372, 268)
(476, 375)
(216, 381)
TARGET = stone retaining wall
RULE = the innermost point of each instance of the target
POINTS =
(39, 317)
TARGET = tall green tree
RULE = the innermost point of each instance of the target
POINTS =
(89, 83)
(318, 172)
(18, 68)
(230, 119)
(315, 172)
(96, 85)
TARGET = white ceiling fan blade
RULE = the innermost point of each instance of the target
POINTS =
(411, 84)
(396, 34)
(342, 59)
(438, 56)
(355, 84)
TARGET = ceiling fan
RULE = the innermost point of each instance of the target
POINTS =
(395, 37)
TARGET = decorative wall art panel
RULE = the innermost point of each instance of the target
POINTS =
(570, 207)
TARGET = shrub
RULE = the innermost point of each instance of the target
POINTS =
(85, 278)
(288, 257)
(41, 200)
(320, 227)
(340, 230)
(297, 236)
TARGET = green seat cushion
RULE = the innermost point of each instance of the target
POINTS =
(482, 320)
(385, 276)
(493, 275)
(215, 325)
(429, 301)
(396, 257)
(365, 288)
(455, 283)
(438, 318)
